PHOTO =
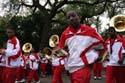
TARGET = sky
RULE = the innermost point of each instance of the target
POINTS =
(104, 20)
(1, 10)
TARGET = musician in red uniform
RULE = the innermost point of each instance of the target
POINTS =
(43, 65)
(34, 60)
(22, 71)
(57, 69)
(82, 42)
(97, 69)
(2, 62)
(12, 54)
(115, 71)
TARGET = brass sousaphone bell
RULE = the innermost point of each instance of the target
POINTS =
(27, 47)
(118, 22)
(53, 40)
(47, 52)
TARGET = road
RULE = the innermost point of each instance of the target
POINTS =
(67, 80)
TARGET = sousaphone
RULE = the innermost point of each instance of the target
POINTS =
(53, 40)
(27, 47)
(118, 22)
(47, 52)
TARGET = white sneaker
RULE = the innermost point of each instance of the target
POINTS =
(16, 81)
(95, 78)
(99, 78)
(23, 80)
(38, 81)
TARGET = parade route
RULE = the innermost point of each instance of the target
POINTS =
(67, 80)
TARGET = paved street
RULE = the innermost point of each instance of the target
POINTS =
(66, 79)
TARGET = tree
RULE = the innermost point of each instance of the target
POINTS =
(45, 16)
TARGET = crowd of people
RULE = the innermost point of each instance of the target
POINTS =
(85, 49)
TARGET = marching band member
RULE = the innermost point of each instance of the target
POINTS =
(22, 71)
(34, 60)
(2, 62)
(12, 54)
(97, 66)
(2, 66)
(82, 42)
(57, 69)
(97, 69)
(43, 64)
(57, 59)
(116, 65)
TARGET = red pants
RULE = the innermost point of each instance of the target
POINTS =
(97, 68)
(33, 74)
(43, 68)
(9, 75)
(115, 74)
(1, 73)
(57, 74)
(81, 76)
(21, 73)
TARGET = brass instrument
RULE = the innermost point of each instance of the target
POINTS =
(118, 22)
(47, 52)
(27, 47)
(53, 41)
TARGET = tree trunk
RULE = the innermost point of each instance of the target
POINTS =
(46, 32)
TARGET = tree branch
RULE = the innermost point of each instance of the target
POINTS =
(85, 2)
(95, 12)
(61, 10)
(23, 3)
(55, 7)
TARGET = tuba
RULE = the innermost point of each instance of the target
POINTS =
(53, 41)
(118, 22)
(47, 52)
(27, 47)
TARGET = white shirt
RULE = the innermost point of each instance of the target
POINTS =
(114, 57)
(33, 62)
(13, 49)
